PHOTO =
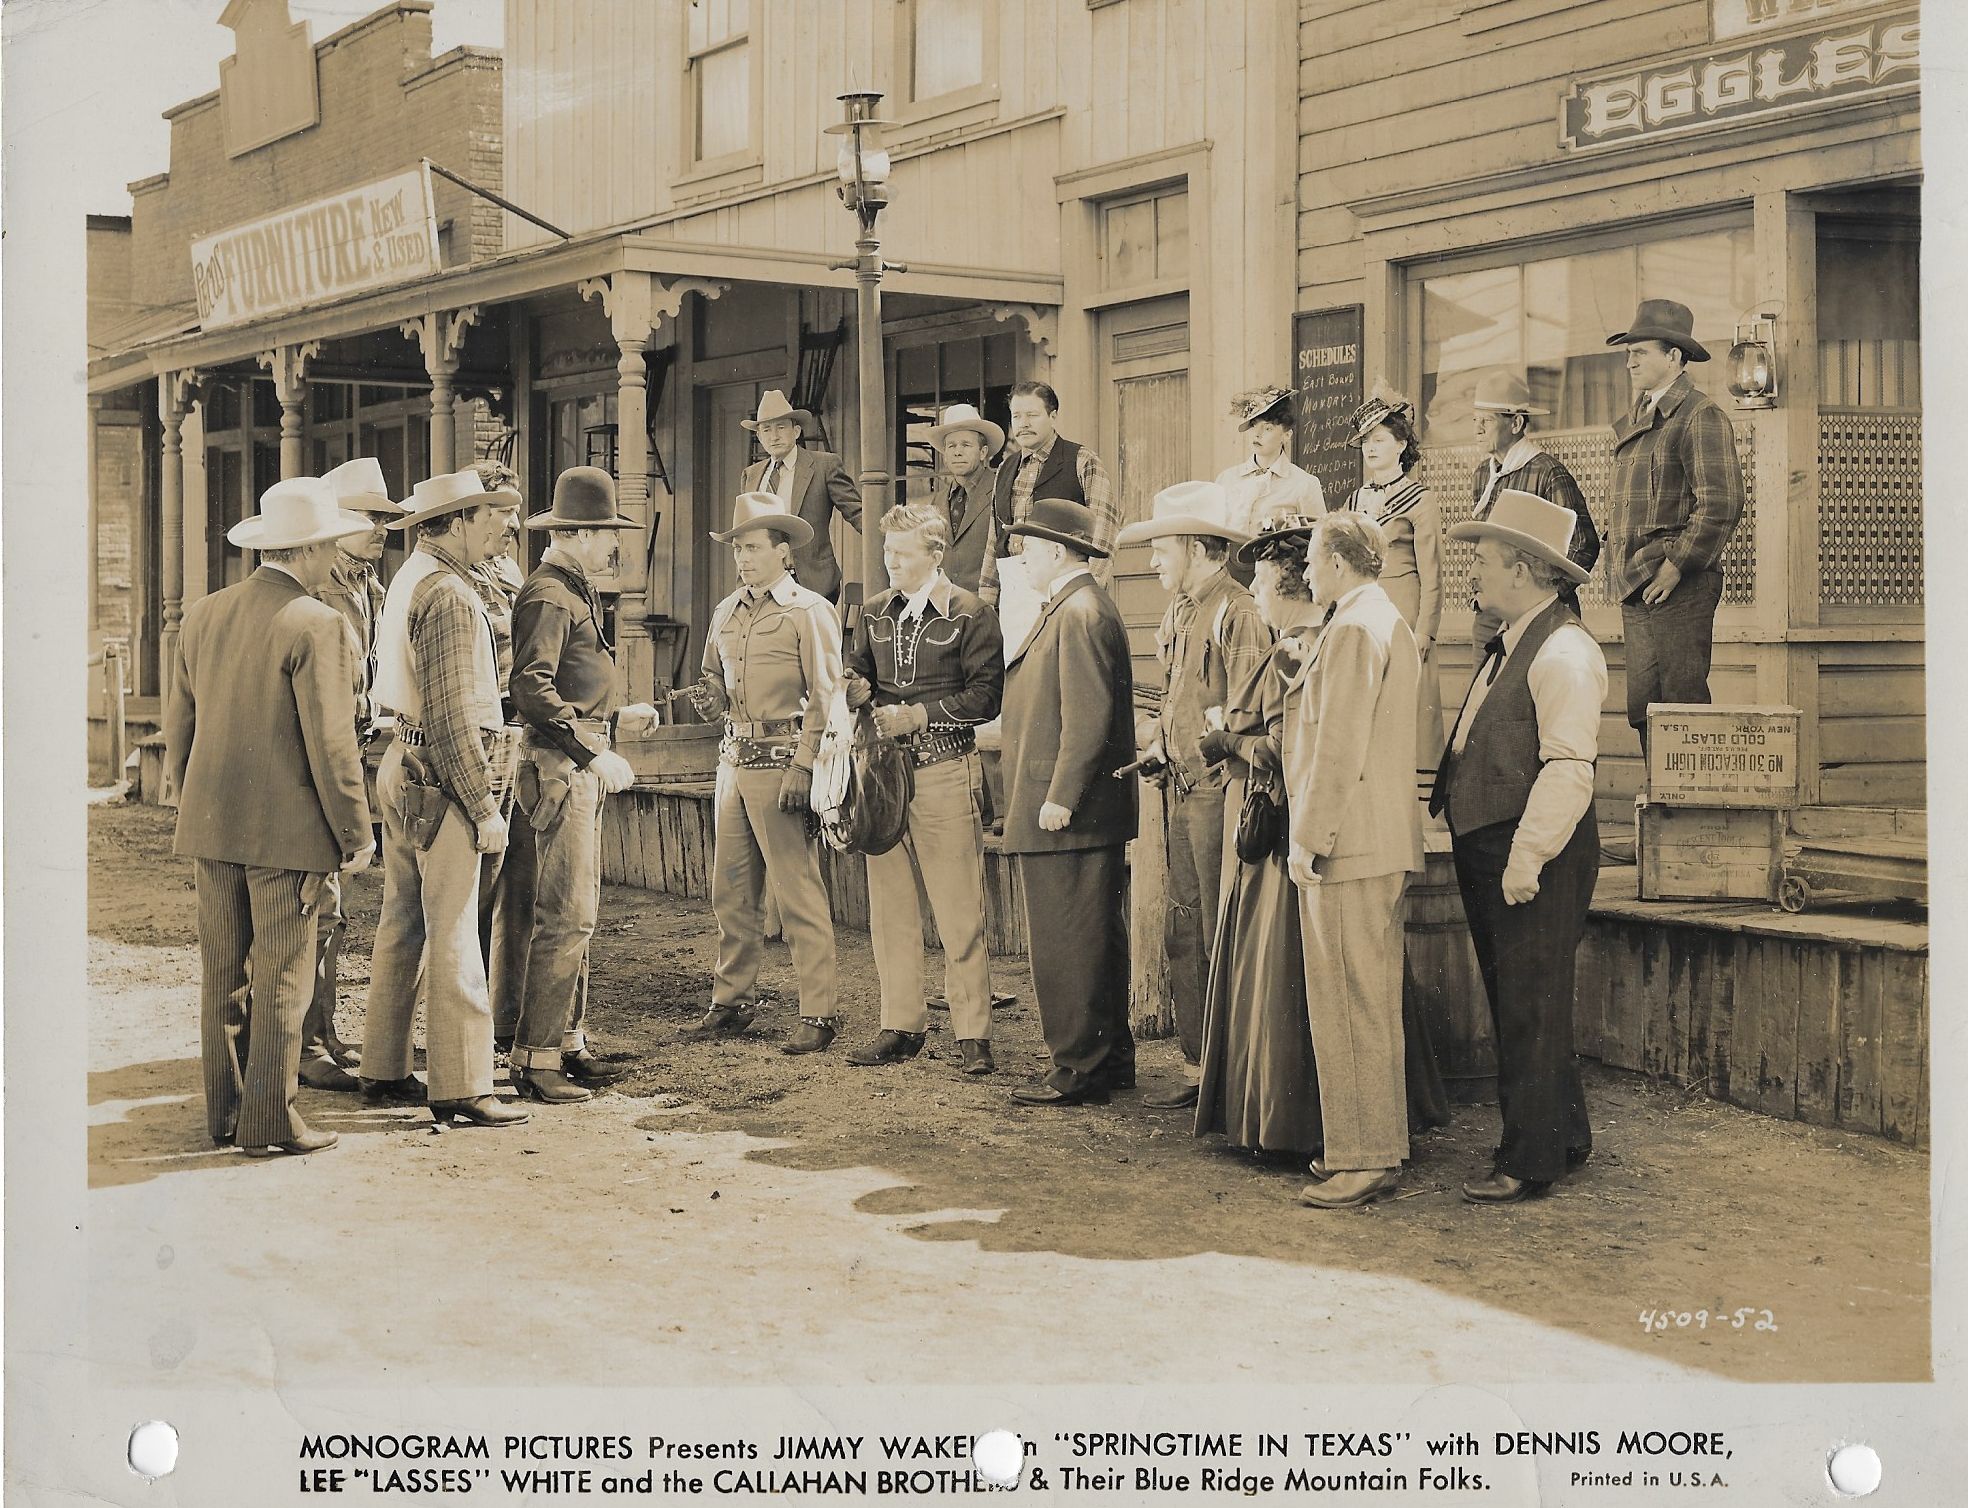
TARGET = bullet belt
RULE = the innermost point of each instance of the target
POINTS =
(944, 744)
(760, 745)
(772, 727)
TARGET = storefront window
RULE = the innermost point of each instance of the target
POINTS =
(1550, 318)
(978, 370)
(1868, 315)
(720, 78)
(945, 47)
(1145, 239)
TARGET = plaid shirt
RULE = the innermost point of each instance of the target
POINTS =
(1677, 490)
(446, 625)
(1209, 645)
(1094, 482)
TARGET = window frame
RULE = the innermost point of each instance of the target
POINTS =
(911, 110)
(695, 167)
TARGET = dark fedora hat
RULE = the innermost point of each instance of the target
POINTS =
(584, 498)
(1063, 520)
(1663, 319)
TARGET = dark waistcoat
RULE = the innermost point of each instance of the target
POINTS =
(1491, 779)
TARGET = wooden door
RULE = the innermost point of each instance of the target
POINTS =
(1144, 439)
(727, 448)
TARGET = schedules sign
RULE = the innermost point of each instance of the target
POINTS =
(368, 237)
(1756, 81)
(1328, 372)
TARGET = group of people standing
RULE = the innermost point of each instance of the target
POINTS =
(1298, 739)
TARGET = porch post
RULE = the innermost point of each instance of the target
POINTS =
(441, 336)
(177, 391)
(288, 364)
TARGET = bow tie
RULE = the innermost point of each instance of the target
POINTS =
(1493, 659)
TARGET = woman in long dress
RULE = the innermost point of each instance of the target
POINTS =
(1394, 497)
(1260, 1083)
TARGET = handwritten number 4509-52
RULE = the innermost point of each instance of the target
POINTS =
(1699, 1319)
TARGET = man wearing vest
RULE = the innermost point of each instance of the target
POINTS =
(563, 683)
(259, 733)
(1677, 496)
(1045, 464)
(963, 493)
(812, 485)
(930, 657)
(772, 660)
(1517, 463)
(442, 784)
(1210, 640)
(1516, 785)
(355, 590)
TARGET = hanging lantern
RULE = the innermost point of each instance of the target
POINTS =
(862, 163)
(1753, 364)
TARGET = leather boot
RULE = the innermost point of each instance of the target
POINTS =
(811, 1035)
(547, 1085)
(584, 1067)
(722, 1021)
(408, 1090)
(888, 1047)
(977, 1057)
(479, 1110)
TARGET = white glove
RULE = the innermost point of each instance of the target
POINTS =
(614, 770)
(633, 722)
(491, 835)
(359, 860)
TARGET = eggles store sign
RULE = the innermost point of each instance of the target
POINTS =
(367, 237)
(1744, 83)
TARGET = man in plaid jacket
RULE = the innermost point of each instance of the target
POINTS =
(1677, 496)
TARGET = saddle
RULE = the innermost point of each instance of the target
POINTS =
(862, 783)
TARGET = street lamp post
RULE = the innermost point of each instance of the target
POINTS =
(863, 168)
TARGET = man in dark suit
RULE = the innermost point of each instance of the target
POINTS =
(260, 737)
(962, 491)
(812, 484)
(1069, 725)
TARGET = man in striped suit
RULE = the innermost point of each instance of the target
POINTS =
(260, 734)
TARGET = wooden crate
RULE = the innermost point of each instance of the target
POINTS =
(1700, 755)
(1709, 853)
(680, 752)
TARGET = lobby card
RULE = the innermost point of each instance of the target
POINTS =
(260, 240)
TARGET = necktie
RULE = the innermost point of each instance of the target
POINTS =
(1493, 659)
(959, 500)
(771, 476)
(1643, 411)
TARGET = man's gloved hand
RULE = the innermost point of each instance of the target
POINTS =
(614, 771)
(796, 790)
(360, 859)
(491, 834)
(1217, 746)
(637, 720)
(894, 722)
(859, 692)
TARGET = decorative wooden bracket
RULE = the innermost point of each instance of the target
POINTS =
(181, 390)
(1041, 323)
(635, 302)
(440, 334)
(289, 365)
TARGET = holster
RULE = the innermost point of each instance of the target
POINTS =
(543, 781)
(420, 802)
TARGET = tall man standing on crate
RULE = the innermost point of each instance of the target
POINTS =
(1677, 496)
(259, 733)
(931, 659)
(563, 684)
(1210, 640)
(772, 661)
(442, 785)
(1516, 787)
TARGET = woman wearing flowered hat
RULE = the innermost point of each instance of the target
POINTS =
(1267, 480)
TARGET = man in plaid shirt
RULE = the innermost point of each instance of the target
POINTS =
(1677, 496)
(437, 669)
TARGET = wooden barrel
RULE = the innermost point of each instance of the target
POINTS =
(1440, 978)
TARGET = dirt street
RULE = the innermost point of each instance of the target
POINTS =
(732, 1215)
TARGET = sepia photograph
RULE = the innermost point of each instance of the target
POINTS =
(1135, 750)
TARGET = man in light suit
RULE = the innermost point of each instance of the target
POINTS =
(810, 484)
(1069, 725)
(1355, 838)
(962, 491)
(260, 739)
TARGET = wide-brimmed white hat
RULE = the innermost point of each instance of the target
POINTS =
(774, 404)
(1526, 522)
(1505, 392)
(452, 492)
(962, 417)
(765, 510)
(299, 511)
(359, 485)
(1186, 508)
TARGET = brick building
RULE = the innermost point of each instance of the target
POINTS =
(181, 450)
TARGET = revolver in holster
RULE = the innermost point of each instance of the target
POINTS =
(421, 801)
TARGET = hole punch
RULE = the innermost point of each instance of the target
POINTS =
(998, 1457)
(153, 1449)
(1854, 1470)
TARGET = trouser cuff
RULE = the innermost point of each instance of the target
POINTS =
(536, 1057)
(575, 1041)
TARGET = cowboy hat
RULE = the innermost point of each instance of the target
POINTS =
(1381, 405)
(1280, 522)
(451, 492)
(1662, 319)
(773, 405)
(1505, 392)
(299, 511)
(1248, 408)
(1062, 520)
(963, 417)
(584, 498)
(359, 485)
(1526, 522)
(765, 510)
(1193, 508)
